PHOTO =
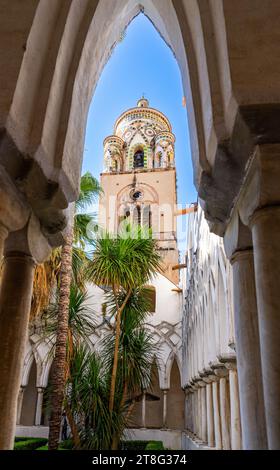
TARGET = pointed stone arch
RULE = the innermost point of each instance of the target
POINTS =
(175, 399)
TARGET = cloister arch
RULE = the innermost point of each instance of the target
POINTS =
(47, 99)
(175, 400)
(28, 410)
(154, 407)
(51, 56)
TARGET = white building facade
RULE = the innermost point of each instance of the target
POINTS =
(209, 360)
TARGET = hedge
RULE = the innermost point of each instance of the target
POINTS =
(18, 439)
(133, 445)
(154, 445)
(141, 445)
(46, 448)
(30, 443)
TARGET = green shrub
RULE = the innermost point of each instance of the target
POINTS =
(154, 445)
(133, 445)
(18, 439)
(66, 445)
(46, 448)
(30, 443)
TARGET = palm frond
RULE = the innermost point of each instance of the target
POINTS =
(90, 189)
(127, 262)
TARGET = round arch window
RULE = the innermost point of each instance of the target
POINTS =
(136, 194)
(138, 159)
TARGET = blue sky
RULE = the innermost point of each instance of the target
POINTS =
(140, 63)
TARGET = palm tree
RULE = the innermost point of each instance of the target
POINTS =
(87, 394)
(89, 380)
(89, 190)
(80, 327)
(123, 263)
(136, 353)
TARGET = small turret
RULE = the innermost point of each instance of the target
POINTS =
(143, 103)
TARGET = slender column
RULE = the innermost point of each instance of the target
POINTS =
(19, 403)
(265, 225)
(164, 420)
(199, 418)
(15, 301)
(222, 373)
(225, 413)
(189, 411)
(186, 409)
(196, 423)
(195, 411)
(217, 418)
(235, 425)
(210, 415)
(203, 411)
(248, 351)
(39, 406)
(144, 409)
(3, 235)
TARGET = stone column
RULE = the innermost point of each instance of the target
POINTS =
(3, 235)
(259, 208)
(188, 409)
(265, 224)
(217, 417)
(191, 410)
(210, 415)
(195, 410)
(248, 351)
(203, 411)
(39, 405)
(19, 403)
(15, 301)
(164, 420)
(235, 425)
(222, 373)
(198, 413)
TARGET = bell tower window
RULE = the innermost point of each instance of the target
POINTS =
(138, 159)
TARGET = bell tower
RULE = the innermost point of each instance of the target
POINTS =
(139, 179)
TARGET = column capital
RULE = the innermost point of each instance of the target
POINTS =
(193, 384)
(231, 365)
(188, 388)
(205, 376)
(240, 255)
(261, 187)
(263, 212)
(201, 384)
(227, 357)
(219, 369)
(14, 211)
(28, 241)
(209, 377)
(237, 238)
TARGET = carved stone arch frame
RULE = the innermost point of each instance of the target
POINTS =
(28, 362)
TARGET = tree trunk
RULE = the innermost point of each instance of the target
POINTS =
(115, 362)
(73, 427)
(117, 437)
(116, 349)
(58, 380)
